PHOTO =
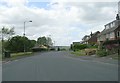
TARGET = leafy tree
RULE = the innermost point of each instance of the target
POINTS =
(17, 44)
(71, 47)
(49, 41)
(32, 43)
(6, 34)
(45, 41)
(42, 41)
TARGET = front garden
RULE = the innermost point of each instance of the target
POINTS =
(88, 50)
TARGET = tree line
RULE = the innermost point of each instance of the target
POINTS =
(16, 43)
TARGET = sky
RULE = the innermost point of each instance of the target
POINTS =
(65, 22)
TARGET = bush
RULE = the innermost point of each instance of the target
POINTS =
(79, 46)
(63, 49)
(90, 51)
(102, 53)
(39, 49)
(52, 49)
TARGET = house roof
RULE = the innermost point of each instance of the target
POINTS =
(96, 33)
(110, 29)
(76, 42)
(85, 37)
(93, 35)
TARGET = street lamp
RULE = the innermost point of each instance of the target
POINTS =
(25, 26)
(24, 32)
(2, 41)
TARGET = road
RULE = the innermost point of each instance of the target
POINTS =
(58, 66)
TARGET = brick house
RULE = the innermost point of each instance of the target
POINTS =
(90, 39)
(93, 38)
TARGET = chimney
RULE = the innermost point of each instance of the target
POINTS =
(117, 17)
(91, 34)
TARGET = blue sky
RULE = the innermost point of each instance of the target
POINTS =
(66, 22)
(44, 5)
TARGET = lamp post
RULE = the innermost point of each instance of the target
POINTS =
(2, 42)
(24, 32)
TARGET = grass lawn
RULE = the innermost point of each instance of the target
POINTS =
(20, 54)
(79, 53)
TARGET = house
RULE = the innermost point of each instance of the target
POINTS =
(93, 38)
(111, 31)
(85, 39)
(110, 36)
(90, 39)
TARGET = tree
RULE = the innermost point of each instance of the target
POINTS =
(32, 43)
(6, 33)
(16, 44)
(49, 41)
(42, 41)
(45, 41)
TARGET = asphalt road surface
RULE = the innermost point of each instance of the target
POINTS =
(58, 66)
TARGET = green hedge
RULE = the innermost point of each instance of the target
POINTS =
(39, 49)
(79, 46)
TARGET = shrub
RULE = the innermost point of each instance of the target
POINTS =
(39, 49)
(79, 46)
(63, 49)
(92, 46)
(90, 51)
(52, 49)
(102, 53)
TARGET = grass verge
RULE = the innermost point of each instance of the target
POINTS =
(18, 55)
(79, 53)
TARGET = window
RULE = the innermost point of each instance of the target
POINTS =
(118, 33)
(112, 35)
(107, 26)
(113, 24)
(107, 36)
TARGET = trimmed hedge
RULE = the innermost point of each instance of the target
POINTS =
(79, 46)
(39, 49)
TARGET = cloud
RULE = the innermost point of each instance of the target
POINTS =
(13, 3)
(64, 21)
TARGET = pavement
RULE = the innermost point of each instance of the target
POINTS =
(59, 66)
(95, 58)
